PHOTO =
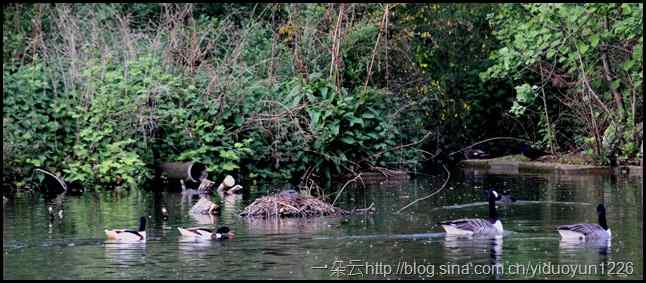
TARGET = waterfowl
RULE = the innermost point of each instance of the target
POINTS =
(126, 235)
(207, 233)
(288, 194)
(506, 198)
(476, 226)
(476, 154)
(223, 233)
(531, 152)
(585, 231)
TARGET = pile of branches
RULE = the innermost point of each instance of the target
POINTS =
(290, 206)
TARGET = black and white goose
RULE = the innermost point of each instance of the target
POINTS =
(585, 231)
(477, 226)
(221, 233)
(125, 235)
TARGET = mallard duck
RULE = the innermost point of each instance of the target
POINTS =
(125, 235)
(476, 226)
(204, 233)
(585, 231)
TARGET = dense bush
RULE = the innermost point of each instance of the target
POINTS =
(193, 86)
(100, 93)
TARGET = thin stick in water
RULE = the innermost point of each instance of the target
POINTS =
(448, 177)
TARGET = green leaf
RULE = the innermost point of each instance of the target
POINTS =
(628, 65)
(348, 140)
(594, 40)
(355, 120)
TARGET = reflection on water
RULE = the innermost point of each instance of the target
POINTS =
(602, 246)
(75, 246)
(125, 254)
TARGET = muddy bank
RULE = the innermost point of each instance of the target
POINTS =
(507, 166)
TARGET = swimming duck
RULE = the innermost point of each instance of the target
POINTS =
(125, 235)
(206, 233)
(585, 231)
(223, 233)
(476, 226)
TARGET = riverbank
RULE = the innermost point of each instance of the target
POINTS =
(508, 165)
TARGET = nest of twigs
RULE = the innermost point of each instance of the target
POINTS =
(296, 206)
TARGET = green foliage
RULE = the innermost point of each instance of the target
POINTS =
(97, 92)
(573, 49)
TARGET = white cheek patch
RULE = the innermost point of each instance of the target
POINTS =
(495, 194)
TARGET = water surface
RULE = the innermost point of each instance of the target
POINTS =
(385, 245)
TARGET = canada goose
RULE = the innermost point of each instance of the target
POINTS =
(476, 226)
(207, 233)
(585, 231)
(129, 235)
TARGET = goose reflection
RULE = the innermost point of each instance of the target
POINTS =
(460, 248)
(602, 246)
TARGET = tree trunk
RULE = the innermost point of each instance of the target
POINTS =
(619, 103)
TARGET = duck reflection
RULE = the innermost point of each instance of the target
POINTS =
(125, 254)
(194, 250)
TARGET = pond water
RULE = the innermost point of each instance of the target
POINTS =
(384, 245)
